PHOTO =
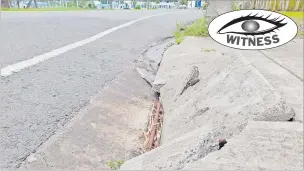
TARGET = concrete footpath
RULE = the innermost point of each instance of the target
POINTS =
(251, 99)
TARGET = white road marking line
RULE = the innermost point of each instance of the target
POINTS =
(14, 68)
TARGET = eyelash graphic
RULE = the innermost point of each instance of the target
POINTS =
(274, 21)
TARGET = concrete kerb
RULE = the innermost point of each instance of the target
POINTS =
(148, 62)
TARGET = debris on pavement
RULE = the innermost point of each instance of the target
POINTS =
(153, 132)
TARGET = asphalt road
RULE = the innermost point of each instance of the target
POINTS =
(41, 98)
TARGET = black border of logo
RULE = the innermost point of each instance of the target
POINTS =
(251, 10)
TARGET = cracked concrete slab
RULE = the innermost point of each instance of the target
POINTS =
(261, 146)
(230, 87)
(288, 56)
(286, 83)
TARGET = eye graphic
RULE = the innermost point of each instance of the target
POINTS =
(252, 25)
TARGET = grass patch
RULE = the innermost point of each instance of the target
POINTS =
(199, 28)
(298, 17)
(46, 9)
(294, 14)
(300, 30)
(115, 165)
(300, 34)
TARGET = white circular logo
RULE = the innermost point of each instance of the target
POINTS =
(252, 29)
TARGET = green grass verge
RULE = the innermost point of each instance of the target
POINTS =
(294, 14)
(178, 34)
(298, 17)
(199, 28)
(46, 9)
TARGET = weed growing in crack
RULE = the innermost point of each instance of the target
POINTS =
(199, 28)
(115, 165)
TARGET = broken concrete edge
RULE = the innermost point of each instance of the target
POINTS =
(193, 147)
(148, 62)
(147, 67)
(188, 148)
(261, 145)
(200, 150)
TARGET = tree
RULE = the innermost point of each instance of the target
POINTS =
(18, 3)
(183, 2)
(133, 3)
(29, 4)
(156, 1)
